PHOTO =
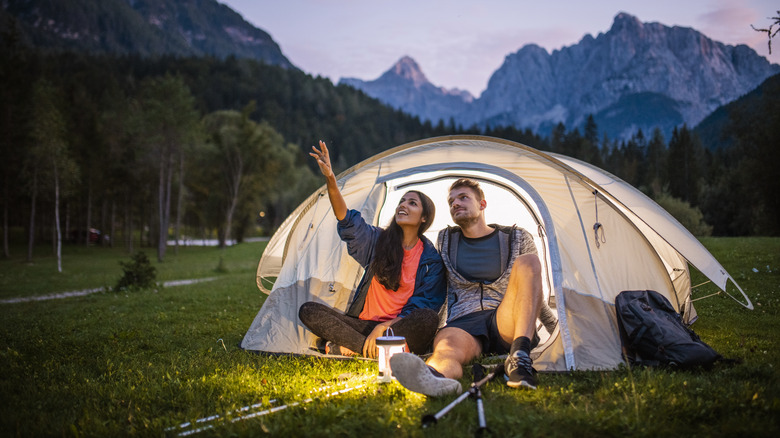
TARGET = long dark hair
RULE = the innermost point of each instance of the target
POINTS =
(389, 248)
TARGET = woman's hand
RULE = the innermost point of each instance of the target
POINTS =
(334, 194)
(370, 349)
(323, 159)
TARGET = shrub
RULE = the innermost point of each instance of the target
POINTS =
(690, 217)
(138, 273)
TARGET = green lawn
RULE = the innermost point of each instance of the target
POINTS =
(141, 363)
(94, 267)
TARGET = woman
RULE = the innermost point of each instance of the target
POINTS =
(404, 283)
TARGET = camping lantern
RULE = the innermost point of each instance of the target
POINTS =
(388, 346)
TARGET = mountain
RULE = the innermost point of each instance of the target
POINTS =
(636, 75)
(405, 87)
(143, 27)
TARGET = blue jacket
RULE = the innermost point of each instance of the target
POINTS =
(430, 286)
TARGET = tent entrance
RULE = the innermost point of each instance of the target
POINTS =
(507, 204)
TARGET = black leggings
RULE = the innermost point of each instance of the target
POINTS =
(418, 327)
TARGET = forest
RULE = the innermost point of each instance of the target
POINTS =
(146, 150)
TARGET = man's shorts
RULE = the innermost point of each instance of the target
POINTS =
(483, 326)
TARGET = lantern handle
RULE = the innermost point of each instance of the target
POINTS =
(389, 329)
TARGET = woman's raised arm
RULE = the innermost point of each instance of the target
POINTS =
(336, 200)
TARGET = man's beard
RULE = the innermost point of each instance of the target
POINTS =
(465, 221)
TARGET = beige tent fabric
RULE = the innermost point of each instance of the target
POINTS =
(640, 246)
(662, 229)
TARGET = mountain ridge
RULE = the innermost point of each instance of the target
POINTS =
(678, 72)
(404, 86)
(634, 76)
(143, 27)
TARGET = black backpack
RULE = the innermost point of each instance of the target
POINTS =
(653, 333)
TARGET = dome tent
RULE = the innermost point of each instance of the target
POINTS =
(596, 236)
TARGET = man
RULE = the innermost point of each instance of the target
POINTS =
(495, 295)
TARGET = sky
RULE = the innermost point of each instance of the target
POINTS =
(460, 43)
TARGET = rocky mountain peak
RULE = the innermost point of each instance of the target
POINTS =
(636, 75)
(404, 86)
(407, 69)
(624, 22)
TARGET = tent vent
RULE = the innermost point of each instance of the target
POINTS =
(598, 229)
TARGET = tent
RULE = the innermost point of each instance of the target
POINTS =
(596, 236)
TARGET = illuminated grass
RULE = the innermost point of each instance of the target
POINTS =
(144, 363)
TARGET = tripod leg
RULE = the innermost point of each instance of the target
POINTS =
(429, 420)
(480, 412)
(473, 391)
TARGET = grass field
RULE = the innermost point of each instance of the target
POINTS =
(143, 363)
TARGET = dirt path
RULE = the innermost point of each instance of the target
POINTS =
(81, 293)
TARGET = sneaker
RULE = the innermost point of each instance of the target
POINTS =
(413, 374)
(519, 370)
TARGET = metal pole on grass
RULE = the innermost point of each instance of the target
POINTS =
(185, 428)
(480, 413)
(473, 391)
(430, 420)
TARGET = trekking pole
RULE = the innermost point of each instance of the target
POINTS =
(429, 419)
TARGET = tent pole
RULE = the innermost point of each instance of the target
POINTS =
(240, 417)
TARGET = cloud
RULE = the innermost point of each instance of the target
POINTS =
(727, 17)
(732, 25)
(729, 25)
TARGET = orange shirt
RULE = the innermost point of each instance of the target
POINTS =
(383, 304)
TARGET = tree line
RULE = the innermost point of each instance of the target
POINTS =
(148, 150)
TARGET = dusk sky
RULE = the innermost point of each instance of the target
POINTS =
(460, 43)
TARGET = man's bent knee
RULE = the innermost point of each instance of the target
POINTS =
(527, 264)
(452, 348)
(456, 343)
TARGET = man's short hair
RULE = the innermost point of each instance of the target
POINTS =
(471, 184)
